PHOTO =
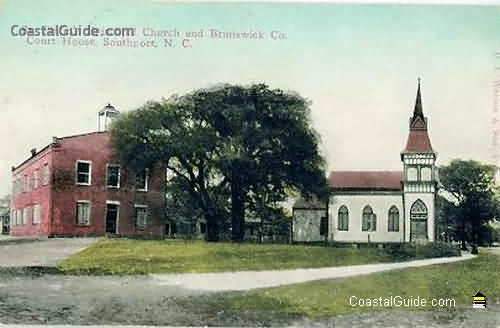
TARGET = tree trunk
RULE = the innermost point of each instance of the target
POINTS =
(464, 246)
(237, 207)
(475, 232)
(212, 233)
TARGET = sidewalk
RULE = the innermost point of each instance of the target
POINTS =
(39, 251)
(246, 280)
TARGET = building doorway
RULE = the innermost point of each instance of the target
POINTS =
(112, 218)
(418, 221)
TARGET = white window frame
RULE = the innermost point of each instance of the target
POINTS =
(113, 202)
(146, 178)
(145, 207)
(36, 181)
(107, 175)
(427, 169)
(36, 214)
(13, 219)
(87, 202)
(89, 174)
(409, 171)
(45, 174)
(19, 217)
(25, 183)
(25, 216)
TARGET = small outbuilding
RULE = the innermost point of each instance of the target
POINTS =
(310, 220)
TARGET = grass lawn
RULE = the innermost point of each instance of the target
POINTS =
(127, 257)
(458, 281)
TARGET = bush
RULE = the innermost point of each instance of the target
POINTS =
(409, 251)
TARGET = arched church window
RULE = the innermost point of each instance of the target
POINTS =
(369, 220)
(343, 219)
(412, 174)
(418, 210)
(393, 220)
(426, 174)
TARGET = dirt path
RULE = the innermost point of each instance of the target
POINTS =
(22, 252)
(167, 300)
(247, 280)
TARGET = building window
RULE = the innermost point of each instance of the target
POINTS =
(36, 214)
(203, 227)
(83, 212)
(25, 217)
(83, 172)
(393, 220)
(343, 219)
(13, 219)
(45, 175)
(113, 176)
(323, 226)
(141, 180)
(26, 183)
(426, 174)
(412, 174)
(36, 179)
(19, 217)
(369, 222)
(141, 216)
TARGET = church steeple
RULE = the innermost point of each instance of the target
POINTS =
(418, 121)
(418, 103)
(418, 138)
(419, 178)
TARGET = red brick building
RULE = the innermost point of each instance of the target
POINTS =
(75, 186)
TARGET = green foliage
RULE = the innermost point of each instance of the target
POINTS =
(488, 235)
(472, 199)
(409, 251)
(234, 148)
(274, 223)
(454, 281)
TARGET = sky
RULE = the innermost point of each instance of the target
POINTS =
(357, 64)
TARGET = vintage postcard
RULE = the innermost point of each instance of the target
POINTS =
(249, 164)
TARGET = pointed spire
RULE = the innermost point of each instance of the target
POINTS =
(418, 138)
(418, 104)
(418, 121)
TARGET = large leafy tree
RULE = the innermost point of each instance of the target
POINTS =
(256, 142)
(167, 133)
(472, 193)
(268, 145)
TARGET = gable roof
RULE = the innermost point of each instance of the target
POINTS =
(366, 180)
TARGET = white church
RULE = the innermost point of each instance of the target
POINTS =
(378, 206)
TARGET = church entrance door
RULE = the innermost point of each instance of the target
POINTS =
(418, 221)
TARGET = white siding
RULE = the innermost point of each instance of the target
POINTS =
(380, 203)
